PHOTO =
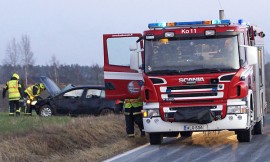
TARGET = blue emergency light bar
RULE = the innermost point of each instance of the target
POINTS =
(178, 24)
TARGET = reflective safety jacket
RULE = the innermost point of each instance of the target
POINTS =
(13, 87)
(13, 90)
(33, 91)
(133, 106)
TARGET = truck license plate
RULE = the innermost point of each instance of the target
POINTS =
(193, 127)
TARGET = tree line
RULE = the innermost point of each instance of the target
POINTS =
(62, 74)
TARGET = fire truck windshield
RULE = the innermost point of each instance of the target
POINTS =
(196, 55)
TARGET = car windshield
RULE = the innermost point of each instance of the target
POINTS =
(196, 55)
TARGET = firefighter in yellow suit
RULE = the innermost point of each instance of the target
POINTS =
(32, 93)
(14, 89)
(133, 114)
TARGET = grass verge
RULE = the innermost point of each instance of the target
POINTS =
(65, 138)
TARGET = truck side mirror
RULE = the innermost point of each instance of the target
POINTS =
(134, 57)
(252, 55)
(134, 61)
(133, 47)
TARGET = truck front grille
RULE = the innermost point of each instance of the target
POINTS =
(205, 91)
(169, 111)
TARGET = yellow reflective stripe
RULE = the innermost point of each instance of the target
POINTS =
(127, 105)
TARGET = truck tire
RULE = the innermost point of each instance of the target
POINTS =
(155, 138)
(258, 128)
(244, 135)
(186, 134)
(45, 111)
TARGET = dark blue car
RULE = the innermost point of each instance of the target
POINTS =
(74, 100)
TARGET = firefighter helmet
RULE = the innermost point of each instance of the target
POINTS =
(15, 75)
(41, 85)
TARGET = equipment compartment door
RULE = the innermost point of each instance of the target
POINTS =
(120, 81)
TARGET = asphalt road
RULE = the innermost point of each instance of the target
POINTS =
(204, 147)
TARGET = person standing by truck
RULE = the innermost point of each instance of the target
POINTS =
(14, 88)
(133, 114)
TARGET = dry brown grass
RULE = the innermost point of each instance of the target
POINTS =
(82, 139)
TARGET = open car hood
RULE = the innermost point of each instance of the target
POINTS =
(50, 85)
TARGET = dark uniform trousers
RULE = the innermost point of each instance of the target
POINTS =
(131, 119)
(14, 106)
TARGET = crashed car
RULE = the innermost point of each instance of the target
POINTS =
(73, 100)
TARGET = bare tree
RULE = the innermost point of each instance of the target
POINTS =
(27, 55)
(12, 54)
(55, 65)
(97, 73)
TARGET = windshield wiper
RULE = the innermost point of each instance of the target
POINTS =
(208, 70)
(166, 72)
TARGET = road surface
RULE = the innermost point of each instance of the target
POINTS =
(203, 147)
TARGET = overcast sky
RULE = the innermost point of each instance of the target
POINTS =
(72, 29)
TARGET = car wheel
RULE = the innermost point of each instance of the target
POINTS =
(45, 111)
(106, 111)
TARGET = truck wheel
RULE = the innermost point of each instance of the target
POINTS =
(245, 135)
(155, 138)
(45, 111)
(258, 128)
(186, 134)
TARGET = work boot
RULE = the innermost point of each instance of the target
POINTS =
(11, 114)
(142, 133)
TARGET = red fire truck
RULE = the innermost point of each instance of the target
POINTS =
(193, 76)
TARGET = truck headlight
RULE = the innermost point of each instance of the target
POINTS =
(150, 113)
(236, 109)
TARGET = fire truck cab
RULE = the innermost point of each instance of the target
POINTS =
(193, 76)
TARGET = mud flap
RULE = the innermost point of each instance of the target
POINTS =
(194, 115)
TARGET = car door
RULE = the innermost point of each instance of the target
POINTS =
(91, 101)
(69, 102)
(120, 81)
